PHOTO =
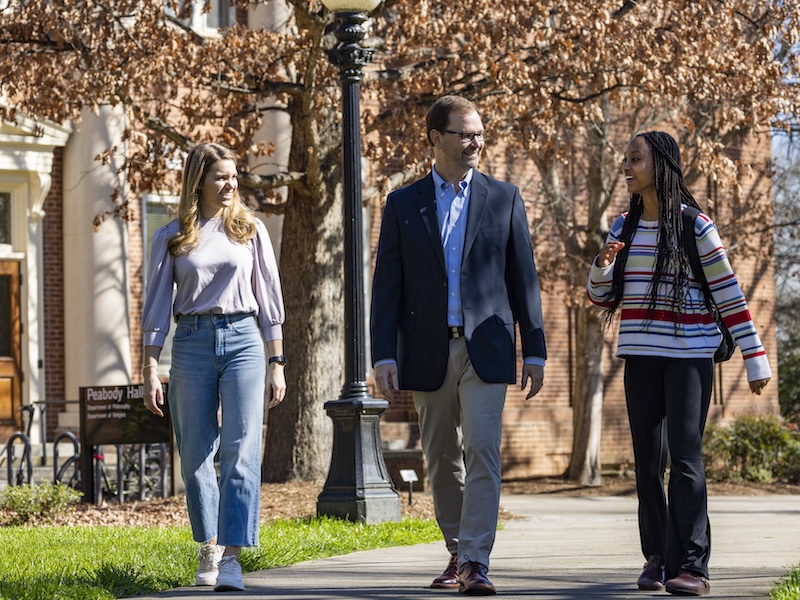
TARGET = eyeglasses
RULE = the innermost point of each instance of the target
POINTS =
(467, 136)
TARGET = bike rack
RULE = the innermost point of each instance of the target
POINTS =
(163, 465)
(143, 454)
(10, 453)
(162, 462)
(76, 450)
(142, 460)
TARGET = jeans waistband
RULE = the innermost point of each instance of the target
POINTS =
(198, 320)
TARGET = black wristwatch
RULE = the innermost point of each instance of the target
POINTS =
(280, 359)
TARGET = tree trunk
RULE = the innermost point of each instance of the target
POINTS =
(299, 433)
(587, 401)
(587, 404)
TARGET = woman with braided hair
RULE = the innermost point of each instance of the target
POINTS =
(667, 338)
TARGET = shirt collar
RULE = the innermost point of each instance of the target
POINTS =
(463, 184)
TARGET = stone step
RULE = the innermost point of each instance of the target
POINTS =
(69, 420)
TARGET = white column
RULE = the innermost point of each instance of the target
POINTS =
(96, 310)
(277, 126)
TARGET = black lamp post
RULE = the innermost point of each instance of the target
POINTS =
(358, 487)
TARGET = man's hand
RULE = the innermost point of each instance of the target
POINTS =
(536, 374)
(386, 379)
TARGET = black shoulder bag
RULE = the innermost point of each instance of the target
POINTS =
(727, 345)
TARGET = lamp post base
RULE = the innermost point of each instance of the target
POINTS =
(371, 510)
(358, 487)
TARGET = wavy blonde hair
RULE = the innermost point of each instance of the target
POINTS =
(237, 218)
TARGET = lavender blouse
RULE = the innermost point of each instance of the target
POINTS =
(220, 276)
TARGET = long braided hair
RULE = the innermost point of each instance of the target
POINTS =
(670, 254)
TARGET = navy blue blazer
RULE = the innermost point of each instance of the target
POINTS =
(499, 285)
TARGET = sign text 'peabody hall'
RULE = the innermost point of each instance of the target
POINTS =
(115, 414)
(111, 403)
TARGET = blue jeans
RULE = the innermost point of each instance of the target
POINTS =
(219, 360)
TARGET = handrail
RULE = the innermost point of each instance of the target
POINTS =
(43, 404)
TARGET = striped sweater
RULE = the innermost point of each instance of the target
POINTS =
(697, 336)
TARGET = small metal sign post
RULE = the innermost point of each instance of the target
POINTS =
(409, 476)
(115, 414)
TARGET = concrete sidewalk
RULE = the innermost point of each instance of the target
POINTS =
(561, 548)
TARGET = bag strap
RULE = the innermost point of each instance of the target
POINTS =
(690, 244)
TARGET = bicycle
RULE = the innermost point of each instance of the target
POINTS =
(144, 470)
(137, 482)
(70, 474)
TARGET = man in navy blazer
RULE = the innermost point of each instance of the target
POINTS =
(454, 273)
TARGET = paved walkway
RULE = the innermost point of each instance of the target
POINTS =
(562, 548)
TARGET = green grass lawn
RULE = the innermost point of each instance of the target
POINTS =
(100, 563)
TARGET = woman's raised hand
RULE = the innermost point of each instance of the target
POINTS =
(608, 253)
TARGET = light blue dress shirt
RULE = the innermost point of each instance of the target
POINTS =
(452, 206)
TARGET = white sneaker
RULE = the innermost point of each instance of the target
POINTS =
(207, 564)
(230, 575)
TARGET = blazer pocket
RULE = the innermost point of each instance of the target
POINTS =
(504, 317)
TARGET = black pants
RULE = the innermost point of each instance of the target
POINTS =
(668, 403)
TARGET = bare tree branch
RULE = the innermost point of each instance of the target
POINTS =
(394, 182)
(253, 181)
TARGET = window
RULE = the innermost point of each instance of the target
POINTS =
(158, 211)
(220, 15)
(207, 15)
(5, 218)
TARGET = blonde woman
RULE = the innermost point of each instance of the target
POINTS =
(227, 351)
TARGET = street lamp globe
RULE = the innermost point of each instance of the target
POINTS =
(351, 5)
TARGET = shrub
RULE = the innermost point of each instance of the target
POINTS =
(753, 448)
(789, 382)
(44, 501)
(789, 469)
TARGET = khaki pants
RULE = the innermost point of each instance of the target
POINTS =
(460, 426)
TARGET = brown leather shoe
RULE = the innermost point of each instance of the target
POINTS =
(449, 578)
(688, 584)
(473, 580)
(652, 577)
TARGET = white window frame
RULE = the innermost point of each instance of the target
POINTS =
(203, 23)
(148, 200)
(16, 249)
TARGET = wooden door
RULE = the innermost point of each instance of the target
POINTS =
(10, 349)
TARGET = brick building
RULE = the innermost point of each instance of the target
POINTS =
(71, 296)
(537, 434)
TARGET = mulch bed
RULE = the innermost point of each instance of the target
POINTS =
(298, 500)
